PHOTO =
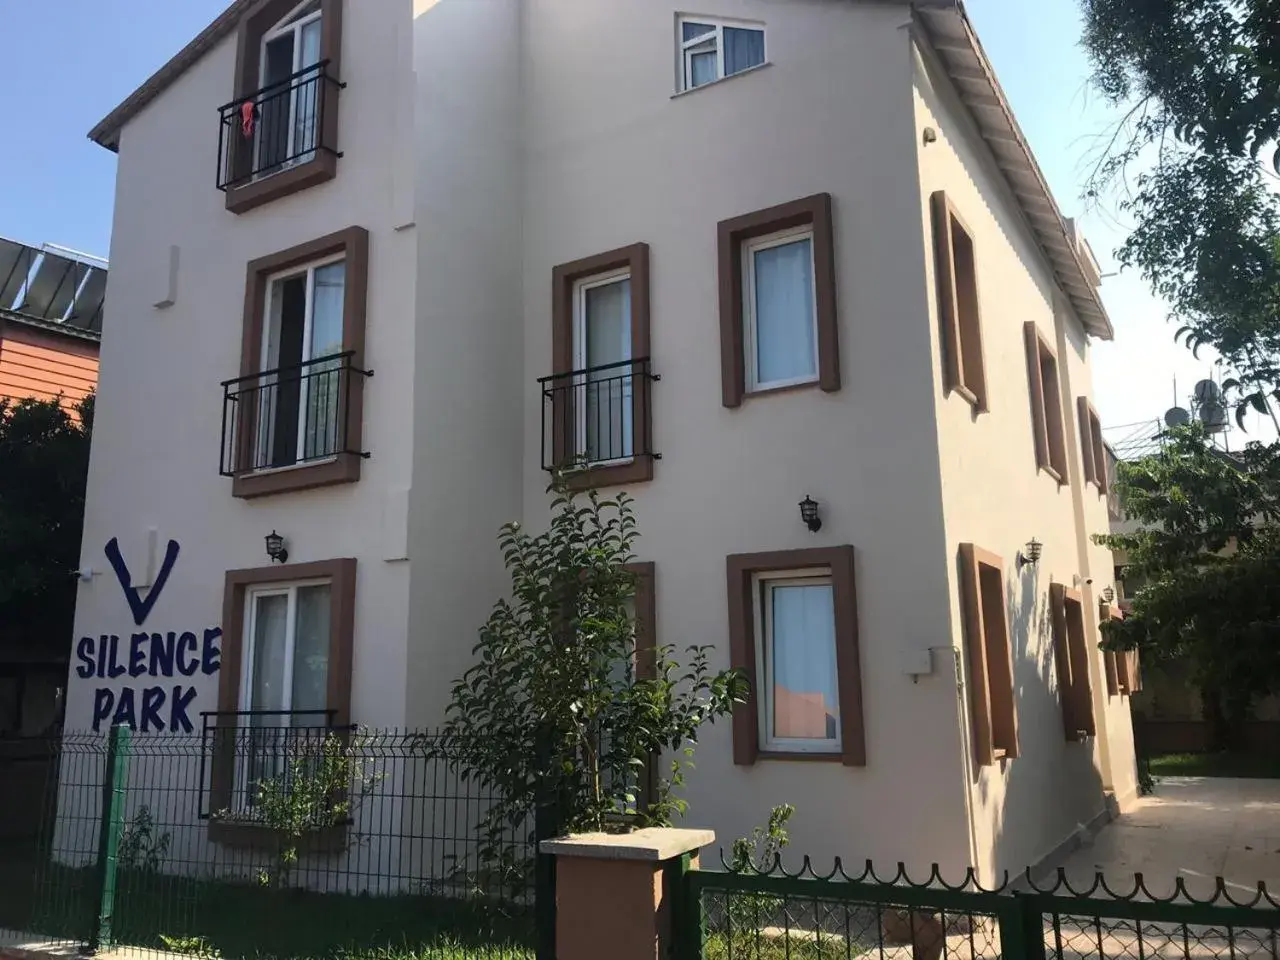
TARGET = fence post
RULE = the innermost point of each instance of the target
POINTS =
(109, 831)
(546, 825)
(687, 922)
(1021, 927)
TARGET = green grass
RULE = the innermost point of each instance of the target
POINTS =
(1215, 765)
(246, 920)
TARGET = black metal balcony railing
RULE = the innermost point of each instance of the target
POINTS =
(242, 748)
(277, 127)
(289, 416)
(597, 416)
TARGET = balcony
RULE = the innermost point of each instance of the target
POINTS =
(280, 139)
(597, 423)
(294, 416)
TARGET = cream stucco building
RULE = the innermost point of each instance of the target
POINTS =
(736, 253)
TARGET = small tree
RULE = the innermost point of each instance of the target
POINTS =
(44, 462)
(555, 710)
(1208, 546)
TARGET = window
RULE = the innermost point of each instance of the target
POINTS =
(778, 324)
(1046, 405)
(779, 311)
(711, 50)
(279, 134)
(1071, 653)
(1093, 451)
(301, 359)
(1123, 671)
(598, 395)
(990, 656)
(285, 674)
(293, 418)
(793, 631)
(957, 279)
(286, 130)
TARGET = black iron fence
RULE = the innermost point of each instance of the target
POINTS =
(291, 415)
(279, 126)
(598, 416)
(781, 914)
(262, 835)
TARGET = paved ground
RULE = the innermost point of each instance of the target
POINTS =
(1195, 828)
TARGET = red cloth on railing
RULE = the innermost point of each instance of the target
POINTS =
(246, 118)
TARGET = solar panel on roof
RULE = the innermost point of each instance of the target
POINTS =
(16, 260)
(49, 286)
(86, 312)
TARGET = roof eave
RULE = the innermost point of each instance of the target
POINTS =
(951, 34)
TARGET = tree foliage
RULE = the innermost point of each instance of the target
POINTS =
(1201, 82)
(560, 708)
(44, 461)
(1208, 545)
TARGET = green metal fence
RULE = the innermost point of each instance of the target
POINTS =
(231, 842)
(806, 915)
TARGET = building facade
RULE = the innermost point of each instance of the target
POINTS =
(732, 258)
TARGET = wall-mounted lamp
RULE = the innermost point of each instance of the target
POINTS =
(1030, 554)
(275, 547)
(809, 514)
(1108, 594)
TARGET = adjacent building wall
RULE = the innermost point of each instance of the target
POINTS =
(613, 159)
(469, 383)
(993, 495)
(46, 364)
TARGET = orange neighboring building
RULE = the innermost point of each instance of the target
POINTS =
(43, 359)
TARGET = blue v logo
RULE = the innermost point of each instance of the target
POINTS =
(141, 608)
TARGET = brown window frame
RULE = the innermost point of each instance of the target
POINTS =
(1047, 418)
(341, 574)
(741, 569)
(992, 702)
(353, 243)
(1071, 654)
(959, 303)
(565, 276)
(1123, 667)
(1092, 449)
(324, 166)
(814, 211)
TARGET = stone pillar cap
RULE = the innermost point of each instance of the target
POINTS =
(652, 844)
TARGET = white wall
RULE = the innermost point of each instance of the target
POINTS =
(470, 385)
(154, 462)
(612, 159)
(994, 496)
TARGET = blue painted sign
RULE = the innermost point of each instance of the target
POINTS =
(157, 708)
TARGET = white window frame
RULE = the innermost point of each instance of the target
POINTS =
(271, 377)
(762, 585)
(580, 290)
(718, 24)
(275, 33)
(749, 249)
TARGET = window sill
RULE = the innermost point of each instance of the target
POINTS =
(344, 468)
(233, 832)
(638, 470)
(800, 755)
(968, 396)
(254, 193)
(1053, 472)
(715, 83)
(783, 388)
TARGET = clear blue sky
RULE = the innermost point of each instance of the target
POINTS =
(68, 62)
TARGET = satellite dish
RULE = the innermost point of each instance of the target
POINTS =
(1176, 417)
(1206, 391)
(1214, 416)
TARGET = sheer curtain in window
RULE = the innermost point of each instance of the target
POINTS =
(786, 348)
(307, 106)
(805, 699)
(323, 380)
(743, 49)
(607, 410)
